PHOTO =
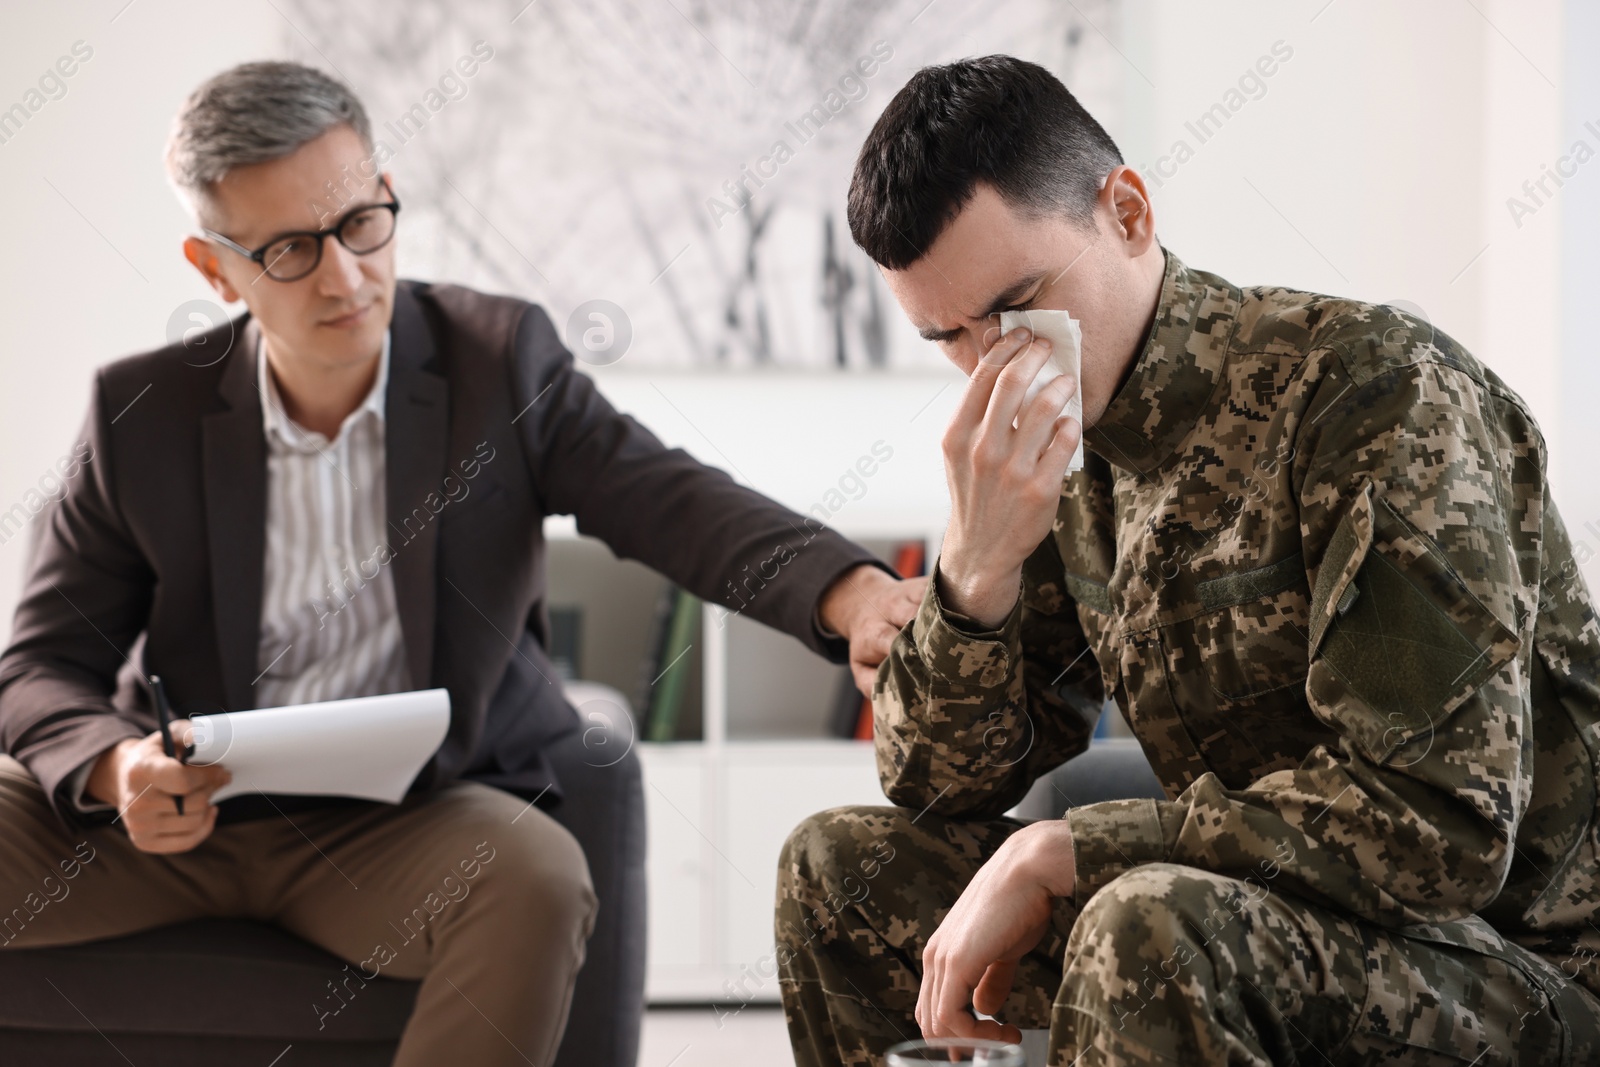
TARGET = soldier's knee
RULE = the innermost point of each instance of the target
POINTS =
(1169, 904)
(827, 847)
(827, 871)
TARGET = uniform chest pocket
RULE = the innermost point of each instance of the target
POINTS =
(1237, 667)
(1251, 631)
(1400, 640)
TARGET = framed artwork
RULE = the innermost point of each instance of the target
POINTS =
(680, 165)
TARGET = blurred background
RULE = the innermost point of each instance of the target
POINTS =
(686, 161)
(675, 171)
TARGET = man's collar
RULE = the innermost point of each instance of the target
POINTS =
(274, 420)
(1175, 373)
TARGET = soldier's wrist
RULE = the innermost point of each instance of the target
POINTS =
(1047, 858)
(983, 593)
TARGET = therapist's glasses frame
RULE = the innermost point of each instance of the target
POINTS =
(259, 256)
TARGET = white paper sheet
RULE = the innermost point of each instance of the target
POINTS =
(367, 747)
(1066, 345)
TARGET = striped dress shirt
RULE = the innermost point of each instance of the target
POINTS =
(329, 625)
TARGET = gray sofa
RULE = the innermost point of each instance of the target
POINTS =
(236, 991)
(1113, 768)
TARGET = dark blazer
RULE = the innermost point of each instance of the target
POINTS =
(152, 561)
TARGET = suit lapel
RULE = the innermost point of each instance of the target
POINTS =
(416, 436)
(234, 466)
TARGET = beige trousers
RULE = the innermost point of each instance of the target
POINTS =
(484, 898)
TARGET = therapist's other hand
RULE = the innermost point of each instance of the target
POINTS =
(1002, 915)
(1004, 461)
(142, 781)
(870, 607)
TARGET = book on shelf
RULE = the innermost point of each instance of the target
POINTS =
(566, 641)
(666, 676)
(650, 665)
(846, 707)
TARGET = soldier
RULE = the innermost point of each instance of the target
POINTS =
(1313, 557)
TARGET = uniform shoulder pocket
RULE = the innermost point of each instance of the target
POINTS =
(1398, 640)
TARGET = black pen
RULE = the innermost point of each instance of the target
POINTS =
(164, 720)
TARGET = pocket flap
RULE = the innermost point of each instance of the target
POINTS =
(1398, 639)
(1335, 574)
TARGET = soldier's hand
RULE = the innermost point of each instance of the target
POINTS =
(143, 782)
(1004, 461)
(1002, 915)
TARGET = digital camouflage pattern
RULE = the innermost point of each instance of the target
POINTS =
(1166, 965)
(1313, 558)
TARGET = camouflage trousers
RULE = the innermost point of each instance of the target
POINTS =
(1165, 965)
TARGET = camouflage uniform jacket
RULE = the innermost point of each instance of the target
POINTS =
(1314, 559)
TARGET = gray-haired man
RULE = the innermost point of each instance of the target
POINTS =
(412, 435)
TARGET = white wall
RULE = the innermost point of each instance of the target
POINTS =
(1572, 470)
(1374, 165)
(1381, 155)
(91, 268)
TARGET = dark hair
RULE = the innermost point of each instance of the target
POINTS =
(997, 119)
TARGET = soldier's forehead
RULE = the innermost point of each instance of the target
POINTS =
(986, 252)
(939, 293)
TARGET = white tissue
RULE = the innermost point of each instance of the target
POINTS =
(1066, 343)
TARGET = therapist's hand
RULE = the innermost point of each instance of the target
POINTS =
(142, 781)
(870, 607)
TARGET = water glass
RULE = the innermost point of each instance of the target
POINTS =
(956, 1052)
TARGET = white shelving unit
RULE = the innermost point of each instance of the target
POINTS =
(720, 808)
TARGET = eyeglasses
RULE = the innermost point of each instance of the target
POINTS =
(291, 256)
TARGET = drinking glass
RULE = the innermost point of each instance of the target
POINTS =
(956, 1052)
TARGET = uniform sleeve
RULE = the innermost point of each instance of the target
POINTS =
(1420, 491)
(967, 719)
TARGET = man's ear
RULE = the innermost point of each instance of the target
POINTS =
(1128, 201)
(201, 253)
